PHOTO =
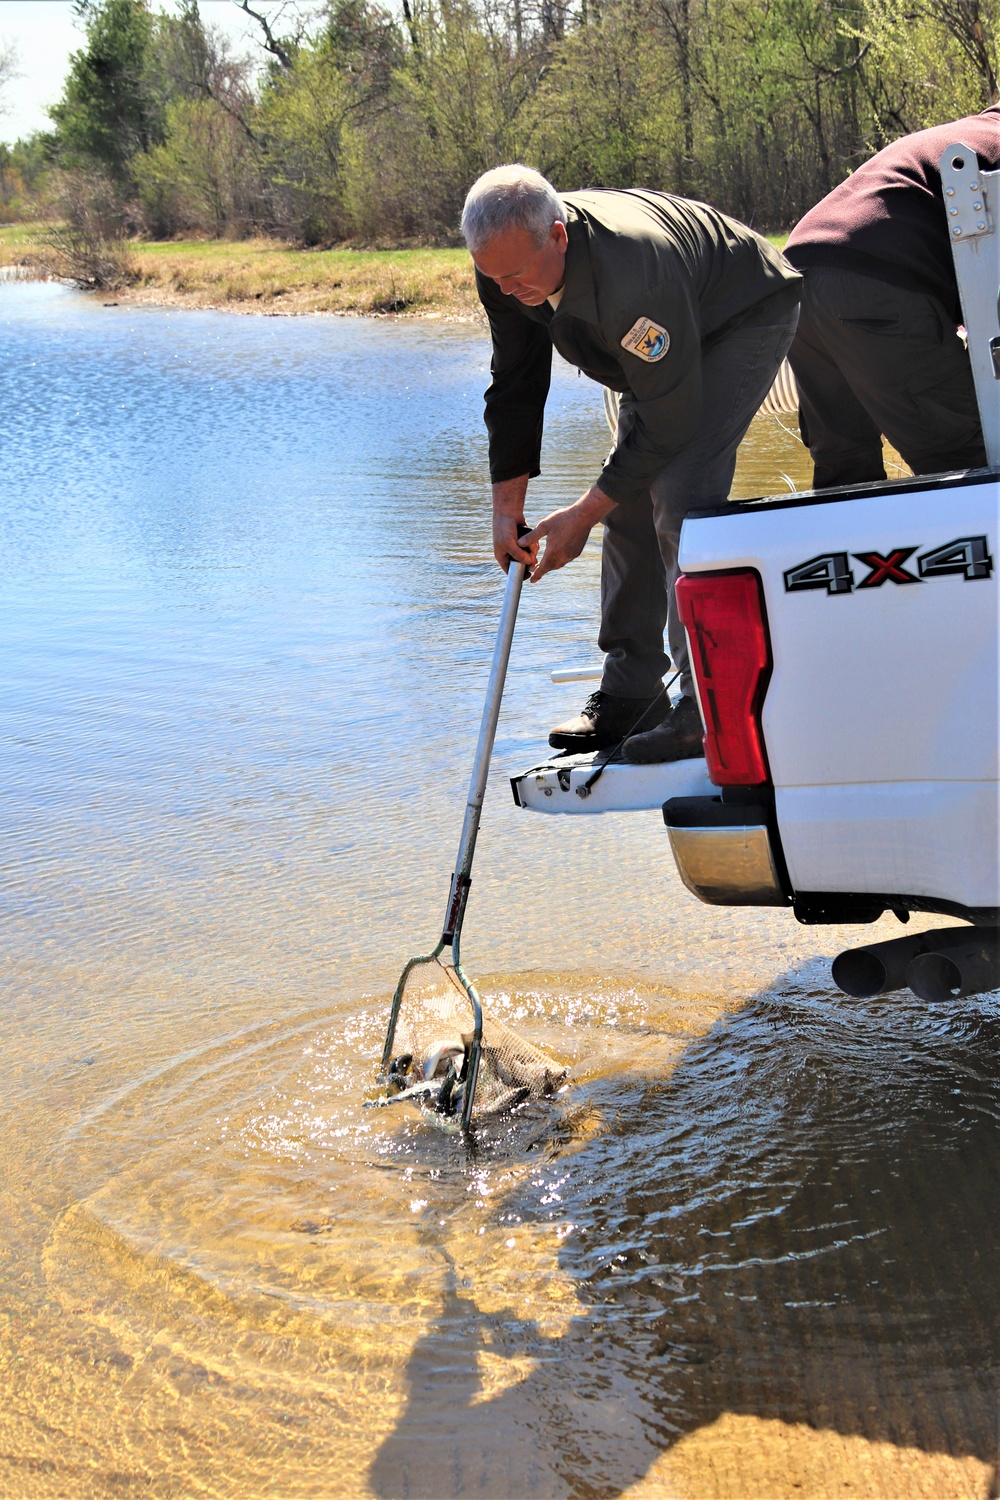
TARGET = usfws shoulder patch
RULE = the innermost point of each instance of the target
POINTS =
(647, 340)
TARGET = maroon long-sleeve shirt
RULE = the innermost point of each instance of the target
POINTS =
(888, 219)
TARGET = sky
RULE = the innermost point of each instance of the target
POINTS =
(45, 32)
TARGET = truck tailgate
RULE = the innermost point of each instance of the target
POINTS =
(881, 715)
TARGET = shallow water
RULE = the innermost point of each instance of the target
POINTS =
(249, 607)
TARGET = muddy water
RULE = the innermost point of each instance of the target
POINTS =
(247, 614)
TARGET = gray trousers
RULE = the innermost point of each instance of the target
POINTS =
(639, 560)
(872, 358)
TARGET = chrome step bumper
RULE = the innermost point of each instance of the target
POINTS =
(724, 851)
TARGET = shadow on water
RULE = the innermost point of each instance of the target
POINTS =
(798, 1224)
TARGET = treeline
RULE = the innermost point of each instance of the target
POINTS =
(369, 124)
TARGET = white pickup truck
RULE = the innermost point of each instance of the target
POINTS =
(844, 646)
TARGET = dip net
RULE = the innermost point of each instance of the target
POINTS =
(432, 1052)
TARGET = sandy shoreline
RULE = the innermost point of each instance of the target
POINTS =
(289, 307)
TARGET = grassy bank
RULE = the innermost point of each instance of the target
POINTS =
(267, 276)
(17, 240)
(272, 277)
(260, 275)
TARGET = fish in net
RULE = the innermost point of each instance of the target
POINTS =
(432, 1056)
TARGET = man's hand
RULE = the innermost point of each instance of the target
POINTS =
(507, 547)
(508, 513)
(566, 531)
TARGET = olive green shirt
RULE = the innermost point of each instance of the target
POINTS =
(651, 280)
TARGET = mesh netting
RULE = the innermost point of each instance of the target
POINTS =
(431, 1051)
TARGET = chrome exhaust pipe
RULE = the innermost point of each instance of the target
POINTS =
(970, 968)
(879, 967)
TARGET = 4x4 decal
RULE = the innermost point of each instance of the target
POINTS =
(832, 571)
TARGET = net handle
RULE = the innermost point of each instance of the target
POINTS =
(461, 879)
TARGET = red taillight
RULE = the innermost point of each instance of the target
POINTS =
(723, 614)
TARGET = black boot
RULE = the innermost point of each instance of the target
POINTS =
(677, 737)
(606, 719)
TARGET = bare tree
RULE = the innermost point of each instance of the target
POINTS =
(971, 23)
(196, 60)
(280, 45)
(91, 244)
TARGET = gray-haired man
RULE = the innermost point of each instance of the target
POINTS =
(687, 314)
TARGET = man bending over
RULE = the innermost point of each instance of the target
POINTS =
(688, 315)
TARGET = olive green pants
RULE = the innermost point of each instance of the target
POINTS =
(639, 561)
